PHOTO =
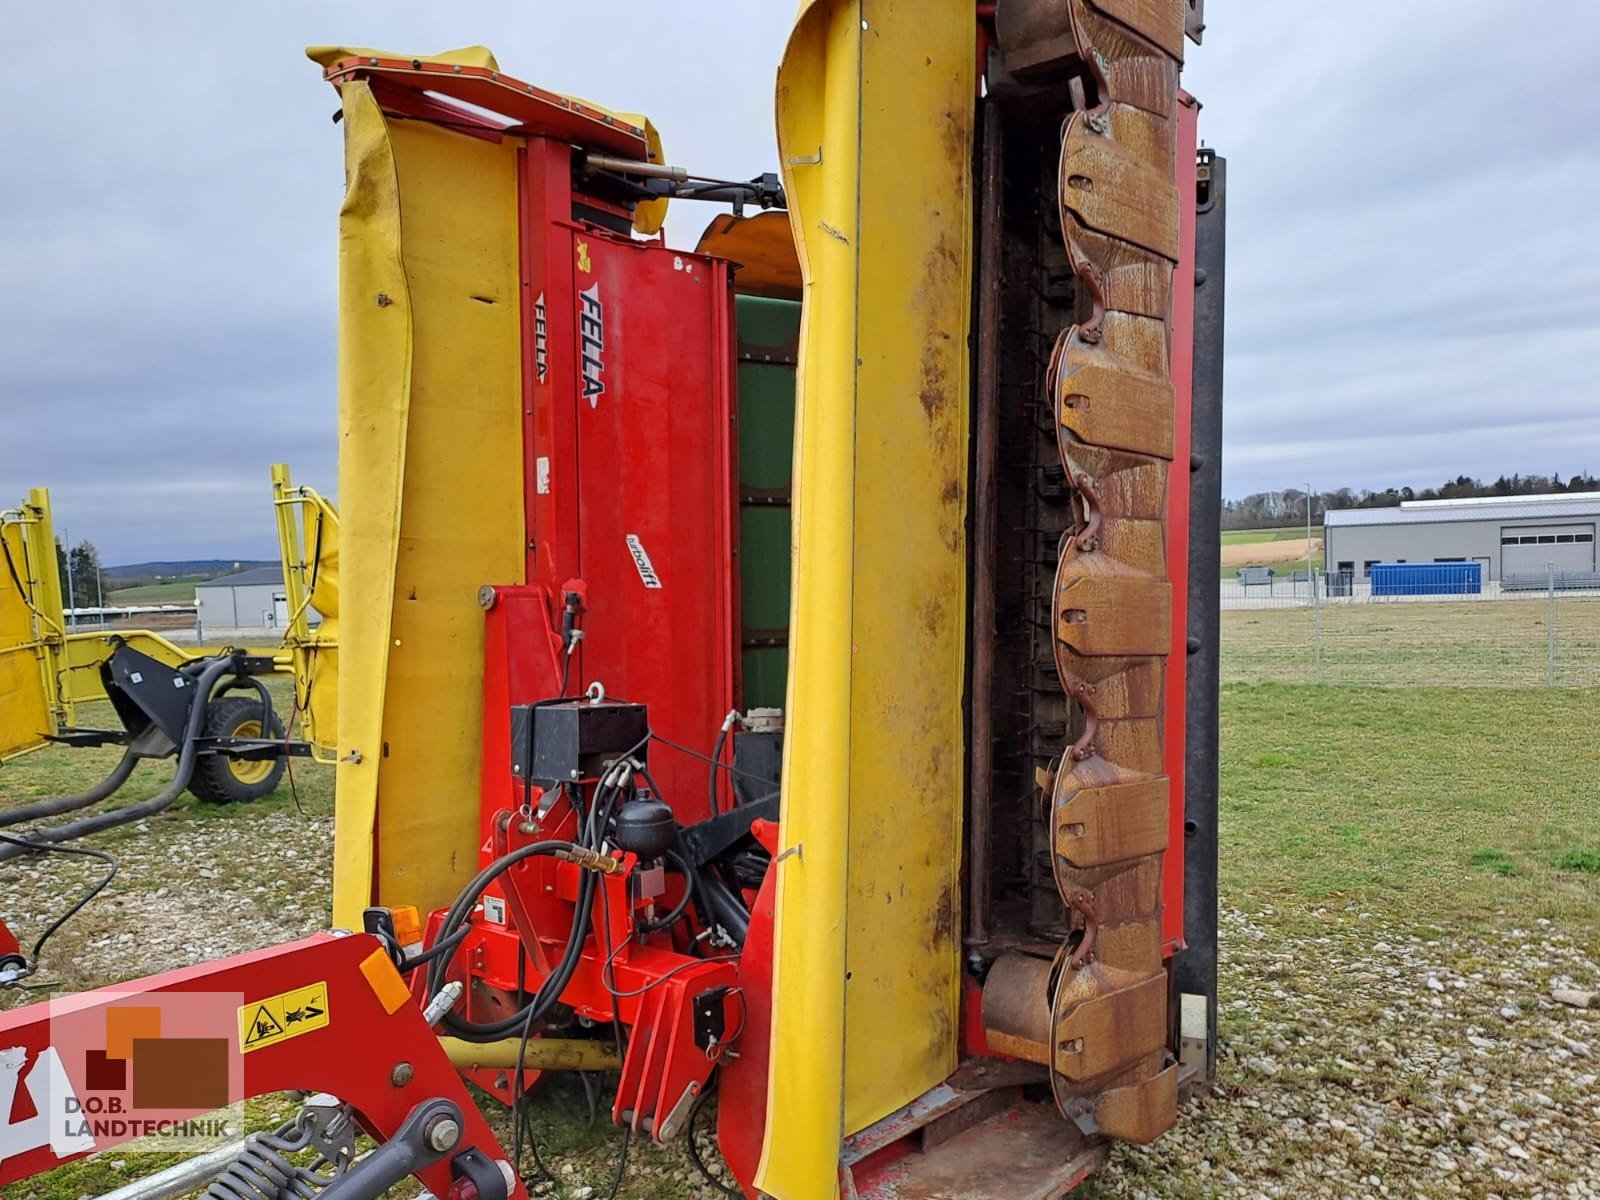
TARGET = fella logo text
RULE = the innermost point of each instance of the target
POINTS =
(592, 343)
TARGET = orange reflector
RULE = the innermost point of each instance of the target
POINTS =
(385, 981)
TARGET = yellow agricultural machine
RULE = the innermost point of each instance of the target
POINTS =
(208, 709)
(774, 669)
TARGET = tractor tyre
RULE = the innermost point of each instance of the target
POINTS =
(219, 779)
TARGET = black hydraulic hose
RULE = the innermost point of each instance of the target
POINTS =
(145, 808)
(57, 805)
(716, 765)
(549, 992)
(266, 701)
(462, 908)
(437, 950)
(592, 833)
(31, 964)
(724, 907)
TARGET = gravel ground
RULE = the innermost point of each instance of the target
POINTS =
(1362, 1056)
(188, 889)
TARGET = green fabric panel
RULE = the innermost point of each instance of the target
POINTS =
(766, 677)
(766, 428)
(764, 546)
(768, 324)
(768, 336)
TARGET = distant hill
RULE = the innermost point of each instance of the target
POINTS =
(191, 570)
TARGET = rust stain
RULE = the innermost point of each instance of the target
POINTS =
(933, 391)
(944, 911)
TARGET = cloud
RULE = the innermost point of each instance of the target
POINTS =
(1413, 281)
(1413, 275)
(168, 257)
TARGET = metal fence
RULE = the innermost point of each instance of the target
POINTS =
(1331, 629)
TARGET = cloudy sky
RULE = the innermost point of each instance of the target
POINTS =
(1413, 276)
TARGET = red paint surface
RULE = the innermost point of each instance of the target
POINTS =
(650, 456)
(349, 1057)
(742, 1106)
(654, 464)
(627, 405)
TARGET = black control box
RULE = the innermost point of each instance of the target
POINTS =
(574, 739)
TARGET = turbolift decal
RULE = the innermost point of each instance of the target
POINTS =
(541, 341)
(641, 560)
(592, 342)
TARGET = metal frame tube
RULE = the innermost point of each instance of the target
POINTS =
(181, 1178)
(985, 438)
(1195, 970)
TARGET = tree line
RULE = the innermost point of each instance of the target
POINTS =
(83, 583)
(1268, 510)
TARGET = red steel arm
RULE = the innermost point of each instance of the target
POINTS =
(337, 1018)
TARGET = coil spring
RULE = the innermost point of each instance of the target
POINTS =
(265, 1171)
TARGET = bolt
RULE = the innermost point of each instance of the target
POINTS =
(402, 1074)
(442, 1133)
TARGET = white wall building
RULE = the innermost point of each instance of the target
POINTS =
(1511, 537)
(245, 600)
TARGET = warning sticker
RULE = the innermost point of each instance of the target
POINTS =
(278, 1018)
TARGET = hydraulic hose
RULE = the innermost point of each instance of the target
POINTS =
(590, 837)
(716, 763)
(145, 808)
(266, 700)
(724, 907)
(57, 805)
(462, 908)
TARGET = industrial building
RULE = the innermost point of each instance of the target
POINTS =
(1513, 538)
(251, 599)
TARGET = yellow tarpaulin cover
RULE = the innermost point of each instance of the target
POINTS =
(875, 103)
(430, 488)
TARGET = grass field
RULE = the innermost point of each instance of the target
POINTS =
(1250, 537)
(1412, 801)
(1498, 644)
(1255, 537)
(155, 593)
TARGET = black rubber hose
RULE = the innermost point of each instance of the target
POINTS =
(145, 808)
(549, 992)
(57, 805)
(251, 681)
(462, 908)
(593, 831)
(712, 771)
(724, 907)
